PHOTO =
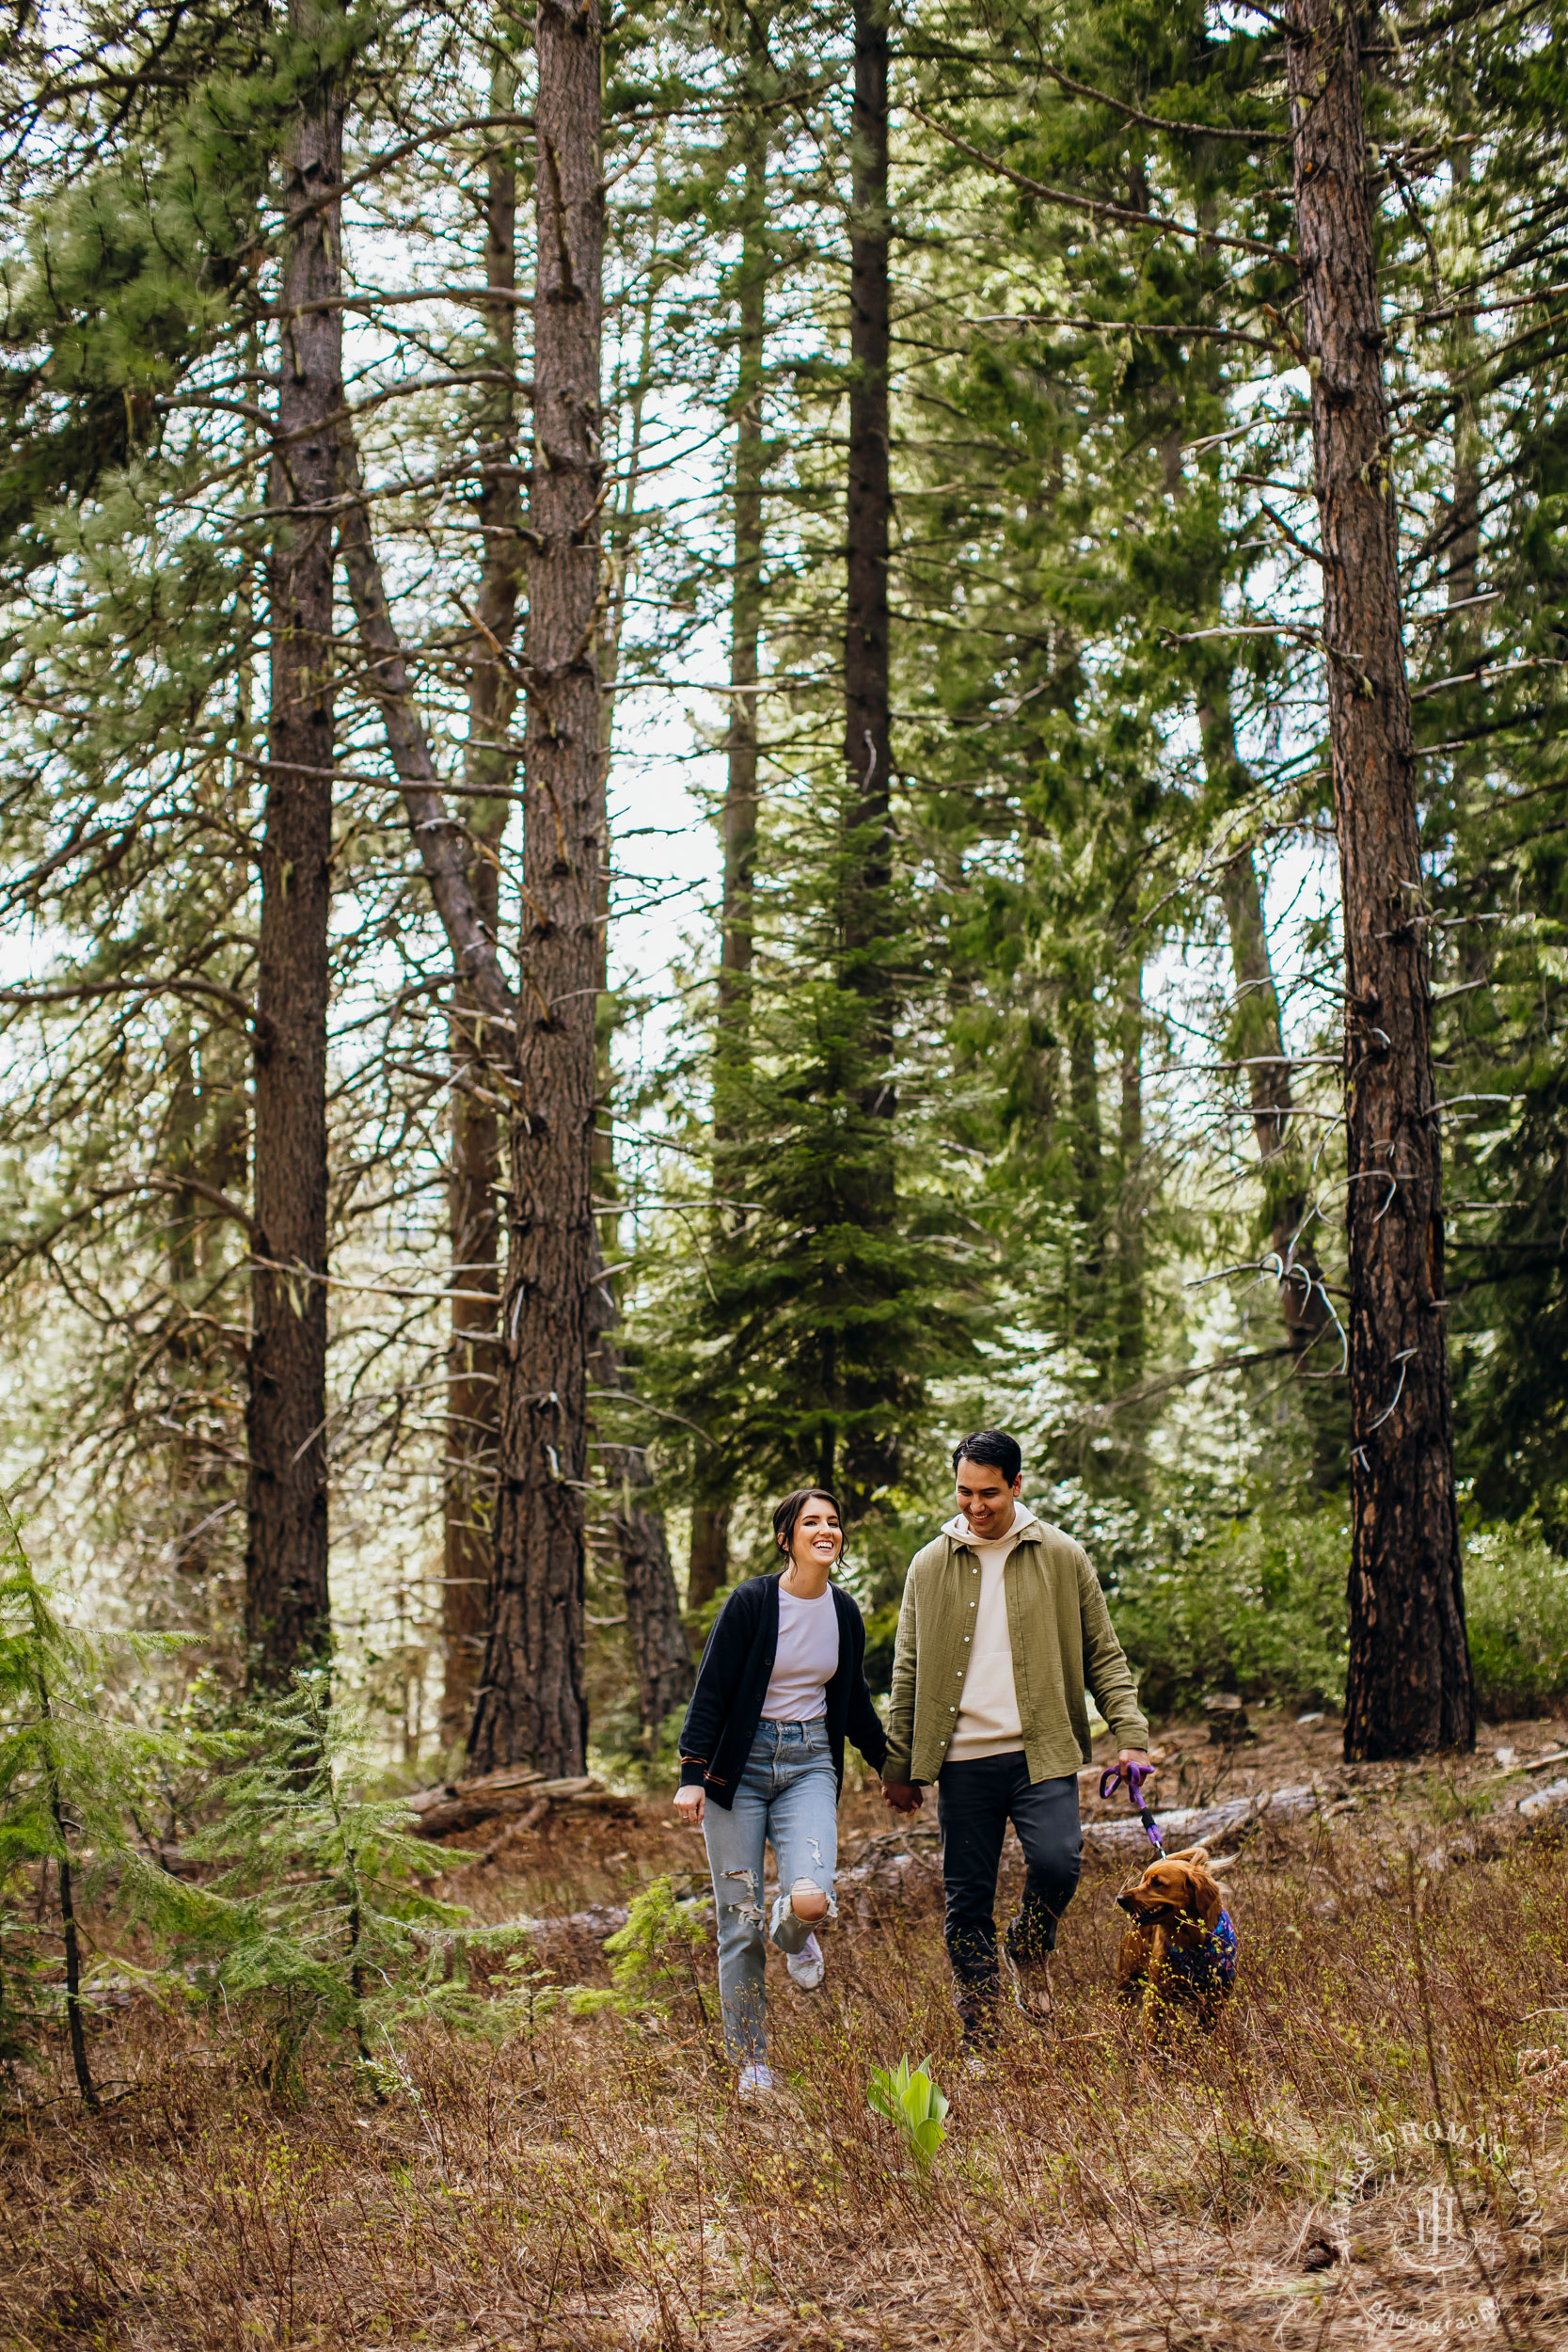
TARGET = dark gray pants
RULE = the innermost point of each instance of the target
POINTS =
(975, 1801)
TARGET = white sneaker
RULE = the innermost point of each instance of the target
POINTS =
(806, 1967)
(756, 2084)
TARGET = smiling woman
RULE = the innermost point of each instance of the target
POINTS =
(781, 1681)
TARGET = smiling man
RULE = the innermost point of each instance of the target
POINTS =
(1002, 1627)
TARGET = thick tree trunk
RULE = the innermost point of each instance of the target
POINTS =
(708, 1567)
(870, 1455)
(286, 1618)
(530, 1700)
(473, 1417)
(1409, 1689)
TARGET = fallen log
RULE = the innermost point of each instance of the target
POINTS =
(458, 1807)
(1199, 1825)
(488, 1784)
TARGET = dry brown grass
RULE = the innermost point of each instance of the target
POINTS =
(592, 2183)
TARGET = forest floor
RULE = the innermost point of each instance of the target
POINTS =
(1370, 2151)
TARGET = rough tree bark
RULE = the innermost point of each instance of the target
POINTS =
(286, 1618)
(531, 1702)
(1409, 1689)
(870, 1456)
(473, 1416)
(707, 1568)
(460, 887)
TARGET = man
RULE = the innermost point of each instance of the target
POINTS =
(1002, 1627)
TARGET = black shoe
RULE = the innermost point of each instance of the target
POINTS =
(1031, 1981)
(976, 2007)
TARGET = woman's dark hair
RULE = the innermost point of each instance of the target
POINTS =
(995, 1449)
(786, 1514)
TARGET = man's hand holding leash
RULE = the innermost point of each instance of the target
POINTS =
(1133, 1768)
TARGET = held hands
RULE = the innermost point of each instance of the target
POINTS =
(906, 1797)
(688, 1804)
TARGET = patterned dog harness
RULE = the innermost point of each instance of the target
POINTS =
(1208, 1967)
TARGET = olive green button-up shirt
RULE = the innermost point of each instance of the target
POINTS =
(1062, 1640)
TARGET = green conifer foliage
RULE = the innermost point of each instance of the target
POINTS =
(72, 1777)
(317, 1924)
(810, 1345)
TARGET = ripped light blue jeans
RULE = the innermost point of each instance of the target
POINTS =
(788, 1793)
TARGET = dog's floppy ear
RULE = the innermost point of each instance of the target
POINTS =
(1204, 1899)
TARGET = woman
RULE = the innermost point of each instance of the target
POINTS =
(782, 1678)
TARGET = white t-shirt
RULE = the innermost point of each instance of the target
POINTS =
(806, 1659)
(988, 1722)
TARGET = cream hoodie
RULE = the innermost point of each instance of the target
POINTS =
(989, 1721)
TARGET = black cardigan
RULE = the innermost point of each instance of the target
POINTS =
(731, 1683)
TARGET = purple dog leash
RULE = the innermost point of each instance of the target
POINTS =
(1134, 1776)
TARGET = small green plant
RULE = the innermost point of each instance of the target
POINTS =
(653, 1959)
(910, 2101)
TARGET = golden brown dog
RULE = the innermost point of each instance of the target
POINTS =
(1181, 1951)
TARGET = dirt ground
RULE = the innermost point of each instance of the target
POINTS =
(1369, 2150)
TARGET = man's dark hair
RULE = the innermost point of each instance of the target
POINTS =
(995, 1449)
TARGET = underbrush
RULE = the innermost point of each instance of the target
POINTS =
(592, 2183)
(1516, 1609)
(1259, 1608)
